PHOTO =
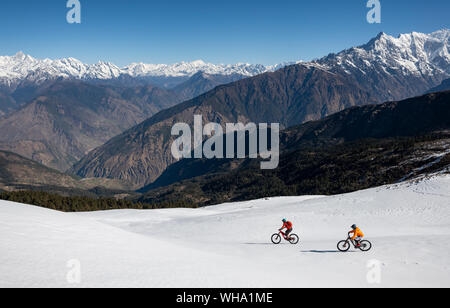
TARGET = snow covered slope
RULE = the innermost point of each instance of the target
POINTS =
(229, 245)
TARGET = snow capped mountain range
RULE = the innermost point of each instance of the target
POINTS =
(21, 67)
(415, 54)
(183, 69)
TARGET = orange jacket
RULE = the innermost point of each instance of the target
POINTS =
(287, 225)
(357, 232)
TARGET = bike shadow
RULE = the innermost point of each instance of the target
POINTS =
(268, 244)
(324, 251)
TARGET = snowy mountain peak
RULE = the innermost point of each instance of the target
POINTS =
(19, 55)
(198, 62)
(415, 54)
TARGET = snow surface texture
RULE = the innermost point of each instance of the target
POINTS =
(229, 245)
(414, 53)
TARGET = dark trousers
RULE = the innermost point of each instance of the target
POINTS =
(288, 232)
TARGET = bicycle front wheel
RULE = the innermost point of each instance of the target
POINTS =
(276, 238)
(343, 246)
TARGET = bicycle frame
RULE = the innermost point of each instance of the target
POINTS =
(352, 241)
(283, 234)
(345, 245)
(291, 238)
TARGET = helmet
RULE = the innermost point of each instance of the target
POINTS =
(354, 227)
(284, 220)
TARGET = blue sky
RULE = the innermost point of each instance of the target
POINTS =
(230, 31)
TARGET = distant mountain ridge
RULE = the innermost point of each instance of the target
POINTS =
(202, 82)
(407, 53)
(21, 67)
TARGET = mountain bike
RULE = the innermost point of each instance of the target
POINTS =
(345, 245)
(293, 238)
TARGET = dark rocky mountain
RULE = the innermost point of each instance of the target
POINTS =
(70, 118)
(290, 96)
(330, 170)
(202, 82)
(7, 103)
(410, 117)
(14, 97)
(188, 87)
(355, 149)
(20, 173)
(128, 81)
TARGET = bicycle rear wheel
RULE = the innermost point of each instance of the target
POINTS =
(294, 239)
(365, 246)
(343, 246)
(276, 238)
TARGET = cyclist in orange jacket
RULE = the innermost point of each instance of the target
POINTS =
(357, 235)
(288, 226)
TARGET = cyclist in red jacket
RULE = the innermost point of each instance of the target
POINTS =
(288, 226)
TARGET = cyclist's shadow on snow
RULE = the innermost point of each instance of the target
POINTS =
(323, 251)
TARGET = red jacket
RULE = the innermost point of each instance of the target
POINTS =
(287, 225)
